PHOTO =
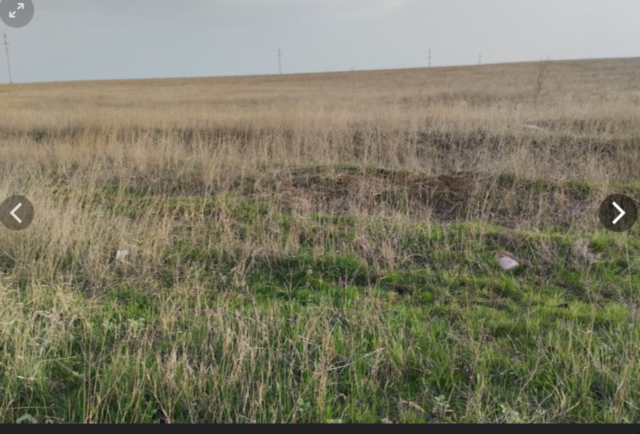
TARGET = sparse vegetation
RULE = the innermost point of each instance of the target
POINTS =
(322, 248)
(543, 75)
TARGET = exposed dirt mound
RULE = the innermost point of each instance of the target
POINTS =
(445, 198)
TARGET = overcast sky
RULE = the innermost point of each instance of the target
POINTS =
(111, 39)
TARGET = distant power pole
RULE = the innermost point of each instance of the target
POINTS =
(280, 60)
(429, 57)
(480, 59)
(6, 47)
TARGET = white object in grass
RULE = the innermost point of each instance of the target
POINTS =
(535, 128)
(508, 263)
(121, 255)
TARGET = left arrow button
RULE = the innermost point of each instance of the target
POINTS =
(17, 213)
(13, 213)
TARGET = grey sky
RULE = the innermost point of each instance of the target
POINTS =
(110, 39)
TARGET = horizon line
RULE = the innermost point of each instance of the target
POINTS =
(276, 74)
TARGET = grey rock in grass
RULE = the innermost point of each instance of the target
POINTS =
(507, 263)
(535, 128)
(121, 255)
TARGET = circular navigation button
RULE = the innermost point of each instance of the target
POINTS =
(17, 13)
(618, 213)
(17, 213)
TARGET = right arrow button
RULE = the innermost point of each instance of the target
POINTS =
(622, 213)
(618, 213)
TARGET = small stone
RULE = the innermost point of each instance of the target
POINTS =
(508, 263)
(535, 128)
(121, 255)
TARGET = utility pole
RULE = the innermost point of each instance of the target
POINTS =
(429, 57)
(280, 60)
(6, 47)
(480, 59)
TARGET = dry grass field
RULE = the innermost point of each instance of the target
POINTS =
(322, 248)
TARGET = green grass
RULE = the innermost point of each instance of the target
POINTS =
(324, 327)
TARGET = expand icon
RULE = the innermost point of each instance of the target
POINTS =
(12, 15)
(17, 13)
